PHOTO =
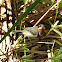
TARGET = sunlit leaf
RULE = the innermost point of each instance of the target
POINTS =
(59, 26)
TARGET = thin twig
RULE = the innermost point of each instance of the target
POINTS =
(48, 33)
(41, 18)
(51, 29)
(45, 14)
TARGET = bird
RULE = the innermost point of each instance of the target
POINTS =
(31, 31)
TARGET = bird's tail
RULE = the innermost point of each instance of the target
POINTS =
(16, 31)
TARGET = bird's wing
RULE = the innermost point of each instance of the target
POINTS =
(28, 33)
(32, 30)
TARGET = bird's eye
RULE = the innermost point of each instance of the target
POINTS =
(39, 26)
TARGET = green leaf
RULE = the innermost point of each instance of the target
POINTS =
(61, 23)
(60, 6)
(27, 56)
(2, 16)
(56, 10)
(1, 3)
(24, 48)
(60, 50)
(20, 18)
(19, 0)
(53, 56)
(58, 32)
(28, 60)
(59, 15)
(59, 57)
(1, 24)
(20, 4)
(22, 44)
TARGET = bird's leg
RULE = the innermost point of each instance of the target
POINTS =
(39, 37)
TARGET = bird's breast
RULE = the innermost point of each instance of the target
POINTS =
(41, 31)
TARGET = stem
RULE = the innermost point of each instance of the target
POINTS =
(56, 10)
(25, 2)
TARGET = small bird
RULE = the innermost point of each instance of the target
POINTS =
(31, 31)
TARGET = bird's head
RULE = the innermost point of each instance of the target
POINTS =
(41, 29)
